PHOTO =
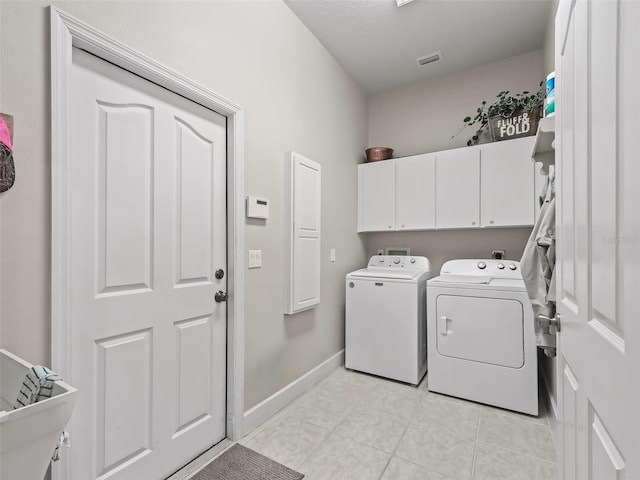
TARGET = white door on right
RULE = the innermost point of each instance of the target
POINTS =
(598, 228)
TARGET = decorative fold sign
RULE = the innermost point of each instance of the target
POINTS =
(7, 168)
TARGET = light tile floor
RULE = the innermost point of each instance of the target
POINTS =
(354, 426)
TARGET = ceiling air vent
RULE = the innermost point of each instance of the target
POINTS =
(427, 59)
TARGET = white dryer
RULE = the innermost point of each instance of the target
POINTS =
(481, 339)
(385, 321)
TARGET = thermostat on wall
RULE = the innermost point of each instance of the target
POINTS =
(257, 207)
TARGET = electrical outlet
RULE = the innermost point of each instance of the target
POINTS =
(498, 254)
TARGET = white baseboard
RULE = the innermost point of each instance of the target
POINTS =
(256, 416)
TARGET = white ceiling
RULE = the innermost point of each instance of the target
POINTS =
(378, 42)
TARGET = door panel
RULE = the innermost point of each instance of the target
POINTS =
(569, 419)
(606, 461)
(124, 200)
(148, 225)
(195, 186)
(124, 366)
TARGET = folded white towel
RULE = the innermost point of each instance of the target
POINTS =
(36, 386)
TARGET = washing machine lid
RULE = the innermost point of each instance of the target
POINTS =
(387, 273)
(477, 282)
(454, 278)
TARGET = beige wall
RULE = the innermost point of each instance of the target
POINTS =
(295, 96)
(442, 245)
(549, 39)
(423, 118)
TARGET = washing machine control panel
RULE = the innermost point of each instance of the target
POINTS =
(399, 261)
(488, 267)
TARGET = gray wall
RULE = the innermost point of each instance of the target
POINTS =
(296, 97)
(423, 118)
(550, 40)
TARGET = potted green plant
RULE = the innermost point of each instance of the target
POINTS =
(505, 106)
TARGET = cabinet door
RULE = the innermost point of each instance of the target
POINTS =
(377, 196)
(458, 188)
(507, 183)
(416, 192)
(304, 187)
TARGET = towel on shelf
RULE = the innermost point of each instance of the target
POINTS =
(36, 386)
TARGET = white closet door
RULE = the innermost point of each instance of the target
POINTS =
(377, 196)
(458, 188)
(303, 224)
(507, 183)
(148, 230)
(416, 192)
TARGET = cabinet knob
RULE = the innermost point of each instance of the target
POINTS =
(389, 226)
(473, 223)
(402, 226)
(491, 222)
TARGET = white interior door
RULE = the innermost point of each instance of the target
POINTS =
(598, 236)
(148, 232)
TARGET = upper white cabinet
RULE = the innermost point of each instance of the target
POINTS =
(507, 184)
(415, 192)
(377, 196)
(458, 188)
(489, 185)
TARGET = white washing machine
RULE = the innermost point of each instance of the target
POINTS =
(481, 339)
(385, 322)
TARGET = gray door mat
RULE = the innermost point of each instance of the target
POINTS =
(242, 463)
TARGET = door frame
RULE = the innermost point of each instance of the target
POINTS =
(68, 32)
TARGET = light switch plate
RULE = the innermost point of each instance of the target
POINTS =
(255, 258)
(333, 254)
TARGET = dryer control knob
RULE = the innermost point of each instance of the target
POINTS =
(413, 260)
(501, 266)
(512, 266)
(381, 259)
(396, 260)
(482, 265)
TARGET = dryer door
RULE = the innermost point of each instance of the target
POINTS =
(480, 329)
